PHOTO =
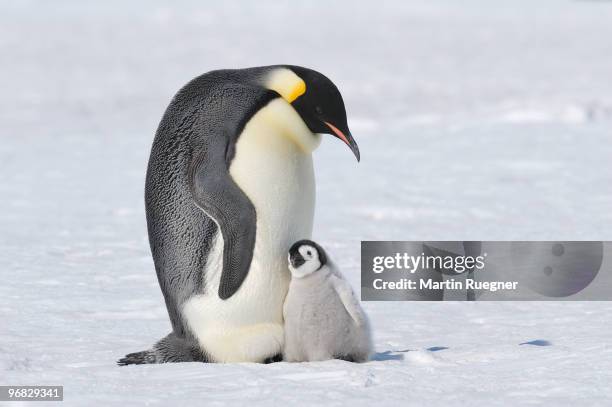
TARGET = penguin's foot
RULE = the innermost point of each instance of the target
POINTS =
(138, 358)
(273, 359)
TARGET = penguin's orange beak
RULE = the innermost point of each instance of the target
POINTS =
(347, 138)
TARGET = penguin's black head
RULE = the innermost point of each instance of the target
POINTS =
(319, 103)
(305, 257)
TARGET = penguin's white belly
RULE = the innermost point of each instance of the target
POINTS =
(277, 176)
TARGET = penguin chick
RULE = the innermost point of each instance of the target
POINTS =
(323, 318)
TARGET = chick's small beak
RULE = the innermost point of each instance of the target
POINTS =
(296, 260)
(347, 138)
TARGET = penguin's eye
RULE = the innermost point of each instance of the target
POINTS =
(308, 252)
(318, 110)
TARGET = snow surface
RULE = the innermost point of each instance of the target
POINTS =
(476, 120)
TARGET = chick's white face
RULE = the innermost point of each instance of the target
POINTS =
(304, 262)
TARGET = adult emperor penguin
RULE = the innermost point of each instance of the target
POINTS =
(229, 188)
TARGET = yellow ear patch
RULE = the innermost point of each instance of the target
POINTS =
(286, 83)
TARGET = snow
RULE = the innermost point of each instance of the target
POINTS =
(475, 121)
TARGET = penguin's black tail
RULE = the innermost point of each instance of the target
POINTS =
(171, 348)
(138, 358)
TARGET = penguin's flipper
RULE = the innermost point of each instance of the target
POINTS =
(216, 193)
(350, 302)
(213, 189)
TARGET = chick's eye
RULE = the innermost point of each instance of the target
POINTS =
(318, 110)
(309, 253)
